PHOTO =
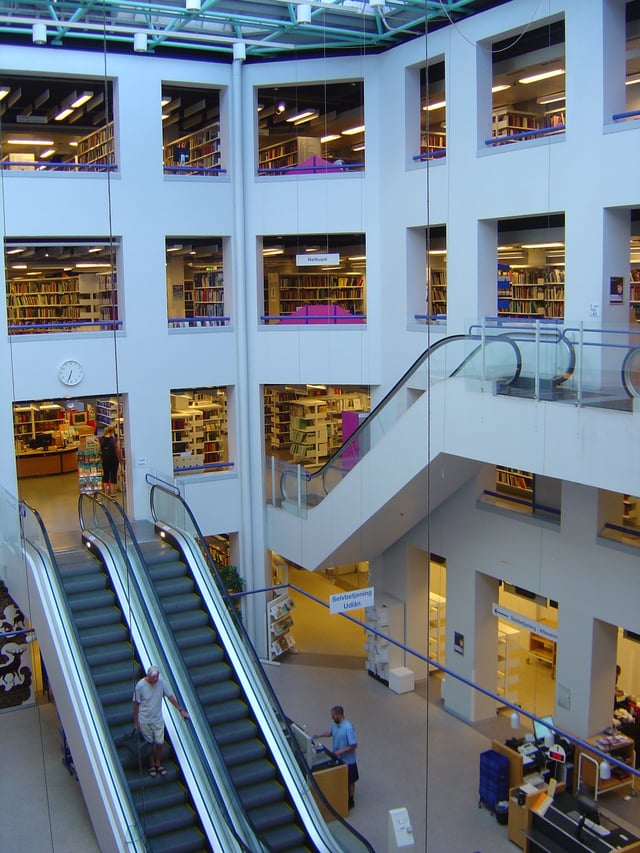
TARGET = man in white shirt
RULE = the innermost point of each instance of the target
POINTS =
(147, 715)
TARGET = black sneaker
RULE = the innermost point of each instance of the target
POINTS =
(351, 803)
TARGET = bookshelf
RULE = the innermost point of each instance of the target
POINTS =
(278, 416)
(513, 481)
(308, 431)
(280, 624)
(108, 412)
(634, 295)
(296, 290)
(506, 122)
(543, 649)
(97, 297)
(287, 153)
(206, 296)
(630, 510)
(509, 659)
(97, 148)
(534, 293)
(187, 439)
(433, 143)
(195, 152)
(48, 301)
(437, 628)
(219, 548)
(24, 425)
(214, 426)
(437, 302)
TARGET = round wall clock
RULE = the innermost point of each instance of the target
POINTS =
(70, 372)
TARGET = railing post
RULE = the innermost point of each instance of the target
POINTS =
(299, 479)
(483, 335)
(273, 481)
(536, 386)
(580, 362)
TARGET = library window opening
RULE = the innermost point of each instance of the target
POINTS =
(56, 124)
(195, 283)
(311, 129)
(528, 85)
(191, 131)
(200, 431)
(314, 279)
(61, 286)
(433, 112)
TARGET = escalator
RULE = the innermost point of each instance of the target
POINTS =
(252, 769)
(234, 713)
(164, 806)
(94, 658)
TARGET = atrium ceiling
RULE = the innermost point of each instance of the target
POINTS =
(267, 28)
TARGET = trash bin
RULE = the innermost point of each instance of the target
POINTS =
(502, 812)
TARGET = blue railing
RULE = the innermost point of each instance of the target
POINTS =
(622, 116)
(526, 134)
(210, 466)
(68, 325)
(206, 171)
(56, 166)
(309, 315)
(434, 154)
(311, 169)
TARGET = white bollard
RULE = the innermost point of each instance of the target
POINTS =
(400, 831)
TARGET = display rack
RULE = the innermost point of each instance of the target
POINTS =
(509, 658)
(308, 431)
(386, 617)
(280, 623)
(437, 628)
(89, 465)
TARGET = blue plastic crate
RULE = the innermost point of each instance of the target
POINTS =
(494, 779)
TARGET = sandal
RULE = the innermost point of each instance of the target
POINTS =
(153, 771)
(161, 770)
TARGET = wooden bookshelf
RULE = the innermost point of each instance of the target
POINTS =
(42, 302)
(433, 143)
(98, 148)
(437, 303)
(284, 154)
(506, 122)
(195, 153)
(634, 295)
(297, 290)
(513, 481)
(207, 296)
(531, 292)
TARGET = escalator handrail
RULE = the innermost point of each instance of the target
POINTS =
(96, 716)
(258, 676)
(330, 464)
(149, 612)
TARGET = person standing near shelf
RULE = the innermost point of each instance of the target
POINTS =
(110, 453)
(344, 746)
(147, 715)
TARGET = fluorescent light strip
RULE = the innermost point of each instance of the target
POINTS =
(543, 75)
(543, 245)
(331, 137)
(305, 115)
(500, 87)
(30, 141)
(353, 130)
(44, 154)
(63, 114)
(81, 99)
(436, 105)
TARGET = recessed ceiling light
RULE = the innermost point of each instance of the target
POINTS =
(543, 75)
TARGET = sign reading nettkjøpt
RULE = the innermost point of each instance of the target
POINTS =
(327, 259)
(352, 600)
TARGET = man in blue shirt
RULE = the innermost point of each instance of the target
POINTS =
(344, 746)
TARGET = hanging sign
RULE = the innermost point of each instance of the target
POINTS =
(351, 600)
(315, 260)
(549, 632)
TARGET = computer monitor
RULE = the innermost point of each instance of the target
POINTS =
(305, 742)
(541, 727)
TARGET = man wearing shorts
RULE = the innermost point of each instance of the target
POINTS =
(147, 715)
(344, 746)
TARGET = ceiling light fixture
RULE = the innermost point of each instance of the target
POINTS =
(274, 251)
(4, 91)
(140, 42)
(330, 137)
(39, 33)
(305, 115)
(500, 87)
(552, 99)
(63, 114)
(543, 75)
(353, 130)
(192, 5)
(555, 245)
(359, 147)
(91, 266)
(437, 251)
(436, 105)
(47, 153)
(303, 13)
(239, 51)
(30, 141)
(82, 98)
(280, 107)
(632, 79)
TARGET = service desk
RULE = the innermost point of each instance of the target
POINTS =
(332, 778)
(43, 463)
(560, 830)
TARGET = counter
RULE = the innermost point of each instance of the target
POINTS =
(43, 463)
